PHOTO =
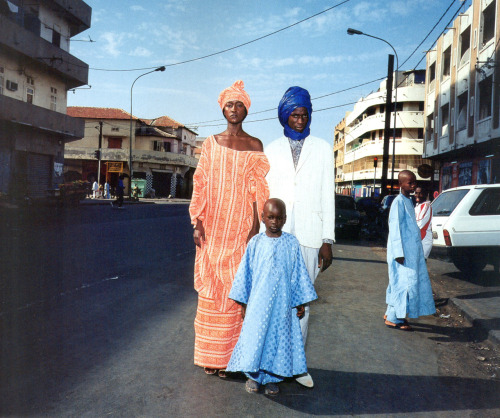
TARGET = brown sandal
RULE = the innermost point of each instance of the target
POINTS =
(222, 374)
(209, 371)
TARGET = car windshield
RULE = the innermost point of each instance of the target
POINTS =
(446, 202)
(345, 202)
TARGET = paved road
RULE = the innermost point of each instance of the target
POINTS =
(97, 317)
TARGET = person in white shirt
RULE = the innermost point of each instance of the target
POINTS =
(423, 214)
(302, 175)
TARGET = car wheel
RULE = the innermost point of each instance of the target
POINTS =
(469, 262)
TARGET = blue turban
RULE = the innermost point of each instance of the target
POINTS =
(293, 98)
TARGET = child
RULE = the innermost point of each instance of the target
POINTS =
(273, 285)
(409, 291)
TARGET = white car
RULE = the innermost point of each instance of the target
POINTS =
(466, 221)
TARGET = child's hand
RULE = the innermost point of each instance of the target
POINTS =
(301, 311)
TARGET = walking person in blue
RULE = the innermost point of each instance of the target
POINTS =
(409, 291)
(272, 284)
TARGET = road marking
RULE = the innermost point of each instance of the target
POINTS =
(69, 292)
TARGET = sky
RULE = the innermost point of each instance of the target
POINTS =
(316, 54)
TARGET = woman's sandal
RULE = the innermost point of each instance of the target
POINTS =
(222, 374)
(209, 371)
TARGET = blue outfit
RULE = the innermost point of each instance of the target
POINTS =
(293, 98)
(271, 280)
(409, 291)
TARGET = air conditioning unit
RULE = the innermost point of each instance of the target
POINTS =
(10, 85)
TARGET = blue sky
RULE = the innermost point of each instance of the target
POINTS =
(316, 54)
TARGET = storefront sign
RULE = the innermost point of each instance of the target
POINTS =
(114, 167)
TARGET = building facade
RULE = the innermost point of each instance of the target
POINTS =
(338, 155)
(363, 135)
(462, 104)
(36, 71)
(161, 155)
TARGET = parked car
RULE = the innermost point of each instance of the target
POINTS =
(347, 218)
(466, 222)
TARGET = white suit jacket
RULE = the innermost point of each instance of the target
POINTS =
(308, 191)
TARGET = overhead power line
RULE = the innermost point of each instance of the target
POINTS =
(233, 47)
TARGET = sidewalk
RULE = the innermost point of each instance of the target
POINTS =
(477, 298)
(142, 200)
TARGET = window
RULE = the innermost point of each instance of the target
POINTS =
(485, 96)
(1, 80)
(446, 62)
(56, 38)
(399, 133)
(115, 143)
(445, 119)
(115, 129)
(488, 23)
(462, 111)
(446, 203)
(464, 46)
(53, 90)
(429, 127)
(53, 102)
(421, 106)
(30, 93)
(420, 133)
(488, 203)
(30, 81)
(432, 75)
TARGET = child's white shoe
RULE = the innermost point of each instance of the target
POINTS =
(305, 380)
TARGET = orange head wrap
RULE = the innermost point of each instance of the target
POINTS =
(233, 93)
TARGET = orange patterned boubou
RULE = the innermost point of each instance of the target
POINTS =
(226, 183)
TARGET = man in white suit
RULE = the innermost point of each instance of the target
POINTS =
(302, 175)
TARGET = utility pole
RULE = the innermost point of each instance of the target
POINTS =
(387, 126)
(100, 156)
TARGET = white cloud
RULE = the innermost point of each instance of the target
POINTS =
(137, 8)
(141, 52)
(113, 41)
(175, 6)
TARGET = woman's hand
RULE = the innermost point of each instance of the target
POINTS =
(199, 233)
(251, 234)
(301, 311)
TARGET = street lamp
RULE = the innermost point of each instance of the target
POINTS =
(351, 31)
(162, 68)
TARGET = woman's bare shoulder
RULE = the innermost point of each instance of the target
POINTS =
(255, 144)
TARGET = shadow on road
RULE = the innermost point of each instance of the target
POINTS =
(345, 393)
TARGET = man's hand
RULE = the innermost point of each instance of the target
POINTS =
(199, 233)
(400, 260)
(325, 256)
(301, 311)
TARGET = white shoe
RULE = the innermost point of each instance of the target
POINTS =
(305, 380)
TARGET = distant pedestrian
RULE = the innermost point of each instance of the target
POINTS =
(120, 188)
(95, 190)
(272, 284)
(107, 194)
(409, 291)
(423, 213)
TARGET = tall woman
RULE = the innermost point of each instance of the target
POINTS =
(228, 197)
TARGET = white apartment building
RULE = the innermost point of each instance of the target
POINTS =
(462, 103)
(36, 71)
(363, 136)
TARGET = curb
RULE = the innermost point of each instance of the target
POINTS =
(475, 318)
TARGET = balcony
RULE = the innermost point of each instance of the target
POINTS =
(46, 55)
(404, 119)
(138, 156)
(77, 13)
(26, 114)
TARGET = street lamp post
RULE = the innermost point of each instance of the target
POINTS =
(162, 68)
(351, 31)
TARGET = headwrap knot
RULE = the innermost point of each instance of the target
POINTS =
(235, 93)
(293, 98)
